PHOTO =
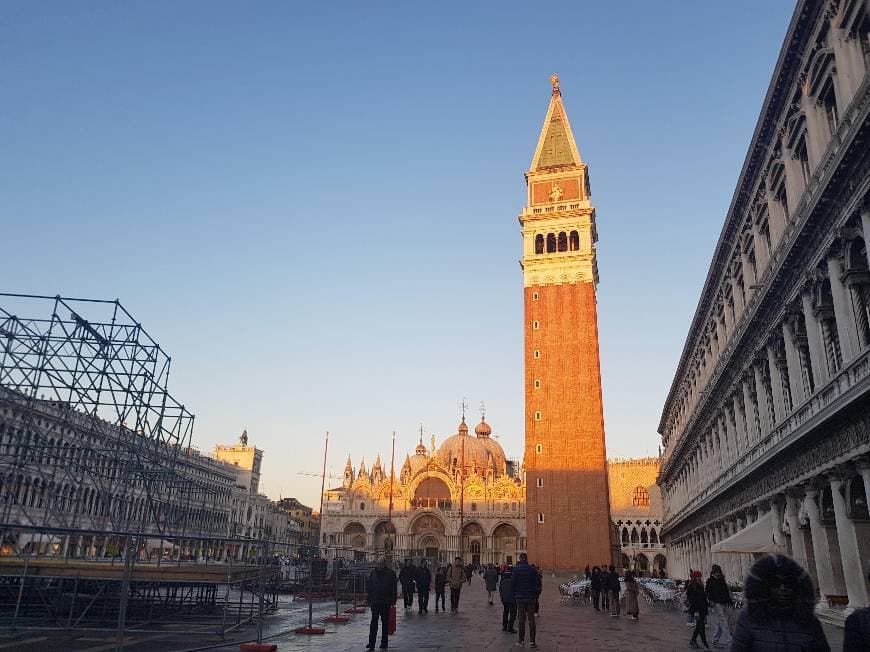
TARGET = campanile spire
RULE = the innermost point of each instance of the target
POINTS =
(567, 500)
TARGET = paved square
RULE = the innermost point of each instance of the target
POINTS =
(477, 626)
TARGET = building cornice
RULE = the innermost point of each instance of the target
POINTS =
(807, 240)
(785, 76)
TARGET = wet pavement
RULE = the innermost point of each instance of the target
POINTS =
(477, 626)
(562, 626)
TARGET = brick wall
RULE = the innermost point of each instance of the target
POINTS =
(574, 498)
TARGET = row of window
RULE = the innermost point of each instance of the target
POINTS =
(554, 243)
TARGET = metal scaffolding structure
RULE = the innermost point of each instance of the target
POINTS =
(89, 367)
(110, 520)
(98, 480)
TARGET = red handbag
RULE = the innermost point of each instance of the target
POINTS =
(392, 626)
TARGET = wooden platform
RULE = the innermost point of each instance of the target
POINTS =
(104, 570)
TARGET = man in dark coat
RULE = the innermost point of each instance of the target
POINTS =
(424, 581)
(605, 579)
(382, 595)
(719, 600)
(595, 586)
(406, 578)
(509, 603)
(613, 588)
(526, 587)
(490, 578)
(440, 582)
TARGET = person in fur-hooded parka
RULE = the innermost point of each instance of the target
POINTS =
(778, 615)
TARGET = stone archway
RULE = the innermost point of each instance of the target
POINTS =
(660, 565)
(384, 536)
(641, 563)
(506, 541)
(472, 543)
(427, 531)
(430, 547)
(355, 535)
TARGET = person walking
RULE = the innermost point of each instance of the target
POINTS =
(469, 573)
(490, 578)
(440, 582)
(779, 612)
(382, 595)
(424, 582)
(526, 587)
(719, 599)
(406, 579)
(604, 579)
(631, 606)
(455, 577)
(508, 602)
(540, 586)
(690, 617)
(696, 597)
(595, 586)
(613, 588)
(856, 637)
(586, 572)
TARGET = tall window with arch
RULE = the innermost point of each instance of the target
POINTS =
(640, 497)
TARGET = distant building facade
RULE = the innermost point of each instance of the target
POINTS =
(191, 524)
(427, 491)
(637, 514)
(766, 429)
(307, 520)
(248, 459)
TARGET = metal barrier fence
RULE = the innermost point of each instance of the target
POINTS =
(130, 590)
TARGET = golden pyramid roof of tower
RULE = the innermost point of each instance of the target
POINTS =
(556, 145)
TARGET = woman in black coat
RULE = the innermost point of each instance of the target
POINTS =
(779, 613)
(696, 597)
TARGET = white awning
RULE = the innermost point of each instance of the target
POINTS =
(154, 544)
(36, 539)
(756, 537)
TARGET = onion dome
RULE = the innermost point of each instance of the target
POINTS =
(481, 453)
(482, 429)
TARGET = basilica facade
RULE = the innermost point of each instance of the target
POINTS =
(766, 429)
(462, 498)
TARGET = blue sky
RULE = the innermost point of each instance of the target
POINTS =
(312, 206)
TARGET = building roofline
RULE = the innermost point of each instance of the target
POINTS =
(781, 82)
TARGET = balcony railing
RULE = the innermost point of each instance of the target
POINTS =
(825, 402)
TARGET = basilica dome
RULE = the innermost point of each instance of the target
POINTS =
(482, 454)
(482, 429)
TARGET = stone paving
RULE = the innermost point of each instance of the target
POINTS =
(477, 626)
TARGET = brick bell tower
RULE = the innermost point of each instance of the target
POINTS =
(567, 500)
